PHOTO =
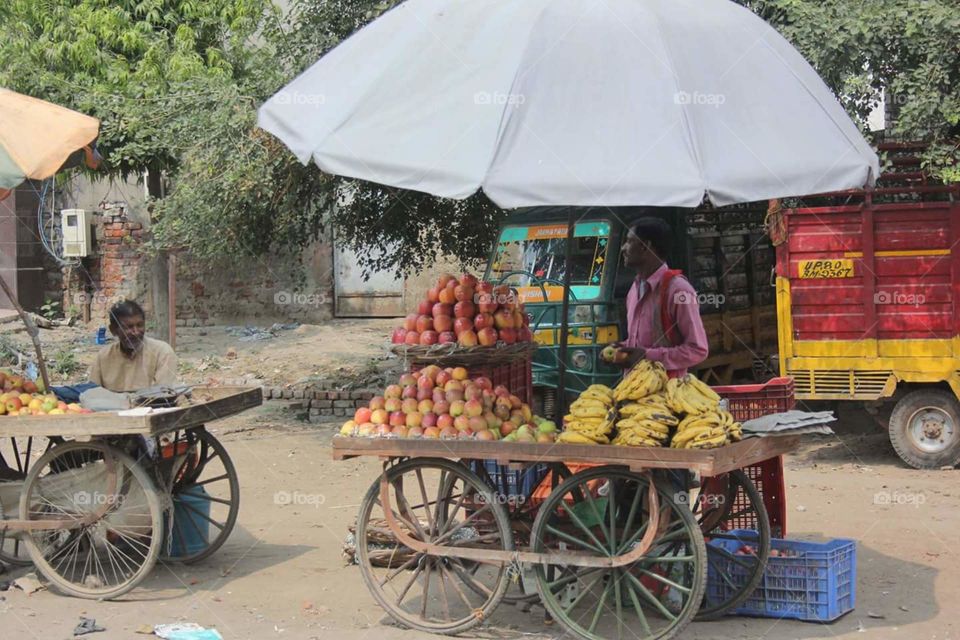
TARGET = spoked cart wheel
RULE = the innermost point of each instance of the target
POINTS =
(426, 499)
(17, 454)
(205, 493)
(726, 503)
(107, 515)
(650, 570)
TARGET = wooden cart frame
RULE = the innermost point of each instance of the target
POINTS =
(616, 549)
(112, 493)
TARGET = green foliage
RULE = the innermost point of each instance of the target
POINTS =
(64, 363)
(50, 309)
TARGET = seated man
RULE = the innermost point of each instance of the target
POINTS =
(134, 361)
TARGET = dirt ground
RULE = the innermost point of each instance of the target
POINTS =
(281, 574)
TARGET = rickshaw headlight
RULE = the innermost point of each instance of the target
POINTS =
(580, 359)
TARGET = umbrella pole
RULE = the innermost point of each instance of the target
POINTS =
(562, 373)
(31, 330)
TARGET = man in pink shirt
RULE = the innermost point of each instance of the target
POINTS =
(663, 313)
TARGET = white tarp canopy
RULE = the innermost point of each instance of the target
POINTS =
(573, 102)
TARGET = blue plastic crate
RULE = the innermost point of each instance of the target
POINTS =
(818, 584)
(511, 483)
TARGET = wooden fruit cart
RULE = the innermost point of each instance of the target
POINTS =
(112, 493)
(615, 549)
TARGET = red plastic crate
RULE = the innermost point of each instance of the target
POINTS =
(747, 401)
(517, 376)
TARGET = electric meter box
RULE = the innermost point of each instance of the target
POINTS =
(76, 233)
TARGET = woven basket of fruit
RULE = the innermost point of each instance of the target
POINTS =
(456, 355)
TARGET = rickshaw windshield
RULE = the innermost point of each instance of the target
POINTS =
(540, 252)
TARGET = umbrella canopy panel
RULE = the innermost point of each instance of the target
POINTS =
(573, 102)
(37, 137)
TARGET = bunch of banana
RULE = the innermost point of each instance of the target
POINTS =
(641, 432)
(706, 431)
(644, 379)
(691, 396)
(591, 417)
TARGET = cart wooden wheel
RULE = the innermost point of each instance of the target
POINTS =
(726, 503)
(205, 492)
(108, 515)
(608, 512)
(427, 497)
(16, 456)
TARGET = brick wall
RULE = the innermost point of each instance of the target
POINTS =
(322, 400)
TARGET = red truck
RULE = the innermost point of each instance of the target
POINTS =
(868, 304)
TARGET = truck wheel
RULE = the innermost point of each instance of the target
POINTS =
(925, 429)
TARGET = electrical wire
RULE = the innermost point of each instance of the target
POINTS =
(50, 244)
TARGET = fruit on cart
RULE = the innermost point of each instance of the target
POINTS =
(706, 430)
(689, 395)
(644, 379)
(591, 417)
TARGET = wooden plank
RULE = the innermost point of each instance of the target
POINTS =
(708, 462)
(208, 404)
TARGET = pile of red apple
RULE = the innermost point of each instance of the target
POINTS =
(22, 397)
(468, 312)
(447, 403)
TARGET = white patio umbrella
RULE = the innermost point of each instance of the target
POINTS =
(573, 102)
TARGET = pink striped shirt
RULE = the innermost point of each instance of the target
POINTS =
(643, 304)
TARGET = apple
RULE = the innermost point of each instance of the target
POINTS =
(469, 280)
(449, 433)
(383, 431)
(477, 423)
(409, 405)
(463, 293)
(503, 319)
(493, 422)
(527, 412)
(453, 385)
(376, 402)
(524, 334)
(444, 420)
(362, 415)
(501, 412)
(438, 395)
(441, 309)
(445, 279)
(367, 430)
(379, 416)
(545, 438)
(504, 401)
(429, 337)
(443, 323)
(447, 337)
(399, 335)
(466, 434)
(3, 407)
(464, 309)
(14, 405)
(425, 406)
(409, 392)
(62, 406)
(462, 324)
(487, 336)
(547, 426)
(457, 408)
(397, 418)
(423, 307)
(433, 294)
(473, 408)
(447, 295)
(393, 391)
(414, 419)
(508, 335)
(516, 416)
(472, 392)
(431, 432)
(519, 319)
(507, 427)
(486, 434)
(414, 432)
(424, 394)
(483, 382)
(410, 322)
(460, 373)
(488, 400)
(407, 379)
(516, 402)
(424, 383)
(461, 423)
(431, 371)
(486, 303)
(443, 378)
(424, 323)
(441, 407)
(412, 338)
(400, 432)
(467, 338)
(453, 395)
(392, 404)
(482, 321)
(429, 419)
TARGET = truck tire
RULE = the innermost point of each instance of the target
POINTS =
(925, 429)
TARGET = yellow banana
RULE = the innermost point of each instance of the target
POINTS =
(572, 437)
